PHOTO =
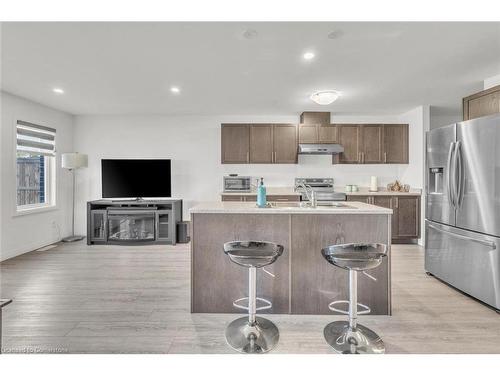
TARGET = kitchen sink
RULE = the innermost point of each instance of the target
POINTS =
(306, 206)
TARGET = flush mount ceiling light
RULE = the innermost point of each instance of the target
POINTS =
(175, 89)
(308, 56)
(325, 97)
(58, 90)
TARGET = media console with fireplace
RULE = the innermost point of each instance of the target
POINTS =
(133, 221)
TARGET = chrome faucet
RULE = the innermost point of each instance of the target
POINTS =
(311, 194)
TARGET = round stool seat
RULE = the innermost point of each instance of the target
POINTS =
(253, 253)
(355, 256)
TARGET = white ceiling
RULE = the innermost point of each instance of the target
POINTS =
(128, 68)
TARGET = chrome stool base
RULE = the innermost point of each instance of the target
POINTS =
(360, 340)
(262, 337)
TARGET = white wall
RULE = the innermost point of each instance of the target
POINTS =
(413, 174)
(439, 118)
(193, 144)
(491, 81)
(20, 234)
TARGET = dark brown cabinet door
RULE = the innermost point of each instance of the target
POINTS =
(327, 134)
(359, 198)
(371, 144)
(235, 143)
(408, 216)
(308, 133)
(348, 136)
(232, 198)
(484, 105)
(315, 118)
(285, 144)
(395, 143)
(387, 201)
(261, 144)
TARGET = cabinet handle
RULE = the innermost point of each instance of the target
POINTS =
(363, 158)
(248, 157)
(275, 157)
(359, 157)
(385, 157)
(397, 202)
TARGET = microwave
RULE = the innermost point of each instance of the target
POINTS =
(237, 183)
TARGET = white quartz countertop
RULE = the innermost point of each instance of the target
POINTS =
(288, 190)
(381, 191)
(287, 208)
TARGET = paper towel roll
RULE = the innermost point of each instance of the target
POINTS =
(373, 183)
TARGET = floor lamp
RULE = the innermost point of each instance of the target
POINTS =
(72, 161)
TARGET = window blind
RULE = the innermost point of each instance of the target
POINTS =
(35, 139)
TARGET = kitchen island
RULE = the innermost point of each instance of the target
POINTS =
(303, 282)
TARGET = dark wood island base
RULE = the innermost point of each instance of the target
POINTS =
(304, 282)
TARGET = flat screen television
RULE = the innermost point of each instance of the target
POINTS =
(136, 178)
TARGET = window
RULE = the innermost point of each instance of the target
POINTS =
(35, 147)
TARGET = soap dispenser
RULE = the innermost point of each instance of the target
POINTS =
(261, 194)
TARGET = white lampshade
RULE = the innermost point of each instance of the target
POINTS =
(74, 160)
(325, 97)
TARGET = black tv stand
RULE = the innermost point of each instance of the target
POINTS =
(136, 221)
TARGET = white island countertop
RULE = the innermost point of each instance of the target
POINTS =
(287, 208)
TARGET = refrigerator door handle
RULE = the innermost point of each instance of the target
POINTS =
(482, 242)
(459, 168)
(448, 177)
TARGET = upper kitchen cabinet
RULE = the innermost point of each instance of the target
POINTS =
(285, 143)
(481, 104)
(315, 127)
(315, 118)
(235, 143)
(349, 138)
(261, 144)
(308, 133)
(372, 144)
(395, 138)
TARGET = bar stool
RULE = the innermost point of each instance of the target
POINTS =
(253, 334)
(351, 337)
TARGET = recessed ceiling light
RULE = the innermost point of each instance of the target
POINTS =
(325, 97)
(58, 90)
(309, 55)
(175, 89)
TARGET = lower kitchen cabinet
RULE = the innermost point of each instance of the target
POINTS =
(406, 213)
(408, 217)
(359, 198)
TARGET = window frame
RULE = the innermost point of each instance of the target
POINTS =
(50, 183)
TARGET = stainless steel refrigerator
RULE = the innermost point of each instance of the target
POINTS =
(462, 226)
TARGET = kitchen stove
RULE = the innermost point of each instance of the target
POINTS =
(322, 187)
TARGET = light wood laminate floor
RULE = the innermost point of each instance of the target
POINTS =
(113, 299)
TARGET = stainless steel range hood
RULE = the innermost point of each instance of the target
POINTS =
(320, 149)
